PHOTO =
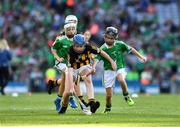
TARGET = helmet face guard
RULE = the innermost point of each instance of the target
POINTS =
(112, 31)
(110, 35)
(68, 27)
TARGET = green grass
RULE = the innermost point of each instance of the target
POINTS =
(38, 110)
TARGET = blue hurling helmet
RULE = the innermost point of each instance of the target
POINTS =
(79, 39)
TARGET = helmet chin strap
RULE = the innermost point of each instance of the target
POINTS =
(70, 36)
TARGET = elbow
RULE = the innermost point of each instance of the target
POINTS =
(133, 50)
(53, 51)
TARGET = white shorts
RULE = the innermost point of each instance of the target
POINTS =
(82, 88)
(83, 68)
(60, 66)
(109, 77)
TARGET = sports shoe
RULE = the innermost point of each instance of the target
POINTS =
(72, 103)
(94, 106)
(87, 111)
(129, 101)
(50, 86)
(57, 103)
(107, 110)
(62, 110)
(86, 104)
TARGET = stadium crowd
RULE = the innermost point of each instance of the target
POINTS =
(30, 27)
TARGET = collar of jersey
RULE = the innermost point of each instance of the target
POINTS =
(108, 46)
(70, 39)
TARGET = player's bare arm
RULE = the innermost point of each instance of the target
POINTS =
(141, 57)
(106, 56)
(95, 61)
(56, 55)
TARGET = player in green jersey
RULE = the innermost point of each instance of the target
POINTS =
(60, 51)
(60, 82)
(116, 49)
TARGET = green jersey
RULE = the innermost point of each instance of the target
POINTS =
(116, 52)
(62, 45)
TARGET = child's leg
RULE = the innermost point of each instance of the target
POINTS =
(77, 86)
(122, 81)
(94, 105)
(61, 84)
(109, 80)
(54, 83)
(89, 87)
(69, 88)
(84, 70)
(108, 99)
(58, 99)
(78, 93)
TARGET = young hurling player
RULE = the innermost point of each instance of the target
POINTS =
(80, 56)
(60, 51)
(115, 49)
(52, 84)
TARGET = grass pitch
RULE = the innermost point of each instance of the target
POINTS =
(38, 110)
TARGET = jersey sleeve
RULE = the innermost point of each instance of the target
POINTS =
(98, 57)
(57, 43)
(125, 47)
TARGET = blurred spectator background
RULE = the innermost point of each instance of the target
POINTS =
(151, 26)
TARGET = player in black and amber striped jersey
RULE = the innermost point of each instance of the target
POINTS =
(79, 59)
